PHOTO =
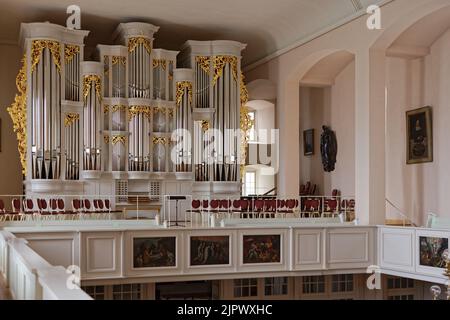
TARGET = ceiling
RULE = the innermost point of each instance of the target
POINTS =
(426, 31)
(267, 26)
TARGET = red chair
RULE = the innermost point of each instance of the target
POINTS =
(195, 206)
(87, 207)
(258, 207)
(3, 213)
(205, 204)
(28, 207)
(17, 211)
(330, 208)
(214, 204)
(237, 205)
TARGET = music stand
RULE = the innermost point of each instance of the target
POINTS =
(176, 198)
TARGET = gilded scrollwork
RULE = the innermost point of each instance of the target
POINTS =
(118, 138)
(135, 41)
(135, 110)
(203, 62)
(205, 125)
(119, 59)
(160, 140)
(87, 83)
(106, 139)
(36, 51)
(182, 87)
(71, 118)
(219, 63)
(70, 50)
(160, 62)
(18, 114)
(118, 107)
(246, 123)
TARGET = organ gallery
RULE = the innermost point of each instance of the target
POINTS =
(133, 117)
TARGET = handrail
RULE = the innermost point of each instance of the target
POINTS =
(403, 215)
(40, 279)
(270, 191)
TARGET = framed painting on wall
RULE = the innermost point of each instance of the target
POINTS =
(154, 252)
(419, 136)
(432, 251)
(209, 250)
(308, 142)
(261, 249)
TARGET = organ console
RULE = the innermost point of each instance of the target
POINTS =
(131, 115)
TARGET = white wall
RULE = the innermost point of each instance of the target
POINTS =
(419, 188)
(333, 106)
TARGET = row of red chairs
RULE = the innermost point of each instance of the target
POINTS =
(52, 208)
(244, 205)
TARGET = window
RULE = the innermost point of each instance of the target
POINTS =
(342, 283)
(314, 284)
(245, 288)
(250, 183)
(276, 286)
(400, 283)
(402, 297)
(96, 292)
(127, 292)
(400, 288)
(252, 131)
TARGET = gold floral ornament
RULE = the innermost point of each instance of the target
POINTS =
(106, 139)
(160, 62)
(135, 110)
(87, 83)
(219, 63)
(203, 62)
(205, 125)
(135, 41)
(105, 109)
(70, 51)
(118, 138)
(18, 113)
(71, 118)
(36, 51)
(160, 140)
(118, 107)
(246, 123)
(119, 59)
(182, 87)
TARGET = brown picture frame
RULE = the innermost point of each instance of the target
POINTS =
(419, 136)
(308, 142)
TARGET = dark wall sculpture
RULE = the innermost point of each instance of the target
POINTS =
(328, 149)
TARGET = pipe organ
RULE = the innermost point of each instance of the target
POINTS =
(131, 115)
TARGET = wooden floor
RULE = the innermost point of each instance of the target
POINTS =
(4, 293)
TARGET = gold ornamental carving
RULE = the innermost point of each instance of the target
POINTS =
(106, 139)
(87, 83)
(36, 51)
(118, 107)
(18, 113)
(117, 139)
(160, 63)
(203, 62)
(71, 118)
(119, 59)
(182, 87)
(160, 140)
(205, 125)
(246, 123)
(219, 63)
(135, 41)
(70, 51)
(135, 110)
